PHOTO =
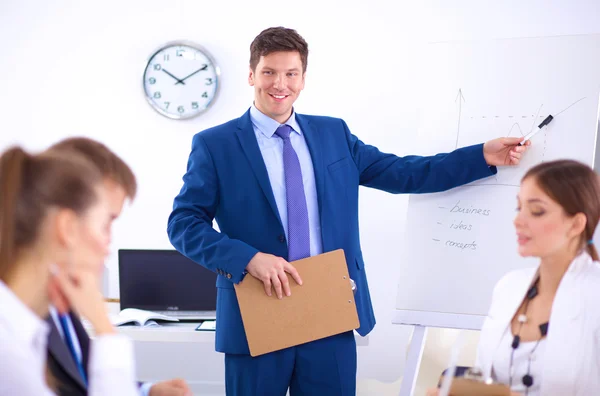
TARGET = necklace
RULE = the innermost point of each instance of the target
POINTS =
(522, 318)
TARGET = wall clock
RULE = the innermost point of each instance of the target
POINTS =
(181, 80)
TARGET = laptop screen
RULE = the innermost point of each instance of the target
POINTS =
(165, 280)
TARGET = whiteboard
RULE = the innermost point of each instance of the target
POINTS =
(461, 242)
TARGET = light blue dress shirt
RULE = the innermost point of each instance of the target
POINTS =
(271, 148)
(56, 320)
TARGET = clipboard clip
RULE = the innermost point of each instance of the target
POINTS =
(352, 285)
(475, 374)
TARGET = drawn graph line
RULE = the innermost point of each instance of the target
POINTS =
(460, 98)
(516, 124)
(555, 115)
(569, 106)
(545, 145)
(535, 118)
(510, 131)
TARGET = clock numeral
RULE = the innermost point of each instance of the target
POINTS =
(157, 95)
(180, 109)
(209, 81)
(152, 80)
(166, 57)
(205, 95)
(167, 105)
(157, 66)
(194, 105)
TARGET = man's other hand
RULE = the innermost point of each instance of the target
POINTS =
(271, 271)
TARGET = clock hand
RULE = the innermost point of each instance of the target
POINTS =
(190, 75)
(178, 80)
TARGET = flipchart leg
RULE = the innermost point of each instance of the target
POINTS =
(413, 361)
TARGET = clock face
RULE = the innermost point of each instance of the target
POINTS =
(181, 80)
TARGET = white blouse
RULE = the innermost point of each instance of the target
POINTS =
(521, 364)
(571, 352)
(23, 342)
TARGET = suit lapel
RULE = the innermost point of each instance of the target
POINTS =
(313, 140)
(59, 350)
(245, 134)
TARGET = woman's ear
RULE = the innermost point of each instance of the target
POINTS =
(579, 221)
(66, 228)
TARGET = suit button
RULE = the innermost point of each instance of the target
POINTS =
(228, 276)
(281, 238)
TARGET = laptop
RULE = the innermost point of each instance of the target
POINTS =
(166, 282)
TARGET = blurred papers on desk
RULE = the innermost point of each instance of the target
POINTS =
(139, 317)
(207, 325)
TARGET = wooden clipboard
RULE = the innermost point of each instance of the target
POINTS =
(467, 387)
(323, 306)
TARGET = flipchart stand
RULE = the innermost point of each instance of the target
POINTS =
(421, 321)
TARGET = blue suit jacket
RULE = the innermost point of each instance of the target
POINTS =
(227, 180)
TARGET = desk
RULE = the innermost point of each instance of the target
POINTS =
(168, 332)
(176, 350)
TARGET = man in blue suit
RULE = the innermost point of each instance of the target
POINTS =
(283, 186)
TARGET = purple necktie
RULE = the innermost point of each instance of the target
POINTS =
(298, 232)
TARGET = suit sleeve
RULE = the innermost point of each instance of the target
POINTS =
(190, 224)
(417, 174)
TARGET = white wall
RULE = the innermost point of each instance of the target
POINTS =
(75, 68)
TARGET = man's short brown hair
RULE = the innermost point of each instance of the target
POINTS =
(278, 39)
(108, 163)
